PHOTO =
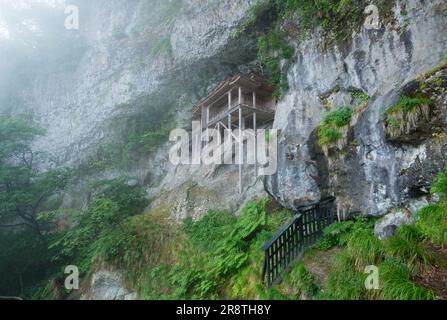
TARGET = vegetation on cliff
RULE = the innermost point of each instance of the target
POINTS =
(215, 257)
(282, 24)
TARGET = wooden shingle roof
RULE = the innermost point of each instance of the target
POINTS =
(251, 80)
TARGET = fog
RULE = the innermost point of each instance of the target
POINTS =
(33, 42)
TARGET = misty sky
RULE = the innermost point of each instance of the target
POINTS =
(17, 15)
(33, 42)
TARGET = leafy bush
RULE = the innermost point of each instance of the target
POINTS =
(219, 255)
(93, 228)
(210, 229)
(75, 245)
(140, 243)
(328, 135)
(130, 200)
(339, 117)
(328, 131)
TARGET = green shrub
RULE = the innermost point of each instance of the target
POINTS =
(140, 242)
(396, 284)
(363, 247)
(208, 231)
(440, 183)
(328, 131)
(115, 203)
(432, 223)
(76, 244)
(302, 280)
(271, 48)
(337, 234)
(406, 246)
(344, 282)
(216, 256)
(130, 200)
(328, 135)
(339, 117)
(406, 104)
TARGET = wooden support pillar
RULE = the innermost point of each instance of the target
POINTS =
(203, 117)
(229, 100)
(207, 123)
(229, 121)
(254, 99)
(241, 150)
(219, 136)
(228, 143)
(240, 95)
(256, 143)
(207, 115)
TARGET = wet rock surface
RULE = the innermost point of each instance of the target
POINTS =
(365, 171)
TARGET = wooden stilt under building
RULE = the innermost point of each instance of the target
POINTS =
(233, 102)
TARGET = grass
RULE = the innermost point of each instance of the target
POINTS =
(432, 223)
(302, 280)
(329, 130)
(216, 257)
(219, 256)
(440, 183)
(405, 113)
(271, 49)
(407, 105)
(397, 284)
(344, 282)
(363, 247)
(325, 14)
(399, 258)
(406, 246)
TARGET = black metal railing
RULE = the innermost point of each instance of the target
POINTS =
(303, 231)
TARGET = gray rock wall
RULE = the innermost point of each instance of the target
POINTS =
(369, 174)
(121, 67)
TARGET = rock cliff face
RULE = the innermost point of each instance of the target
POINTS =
(145, 55)
(142, 56)
(369, 173)
(163, 55)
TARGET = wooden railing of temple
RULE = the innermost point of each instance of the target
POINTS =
(303, 231)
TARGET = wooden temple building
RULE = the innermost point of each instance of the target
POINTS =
(238, 102)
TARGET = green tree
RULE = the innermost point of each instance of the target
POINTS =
(23, 189)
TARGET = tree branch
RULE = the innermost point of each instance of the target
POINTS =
(13, 225)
